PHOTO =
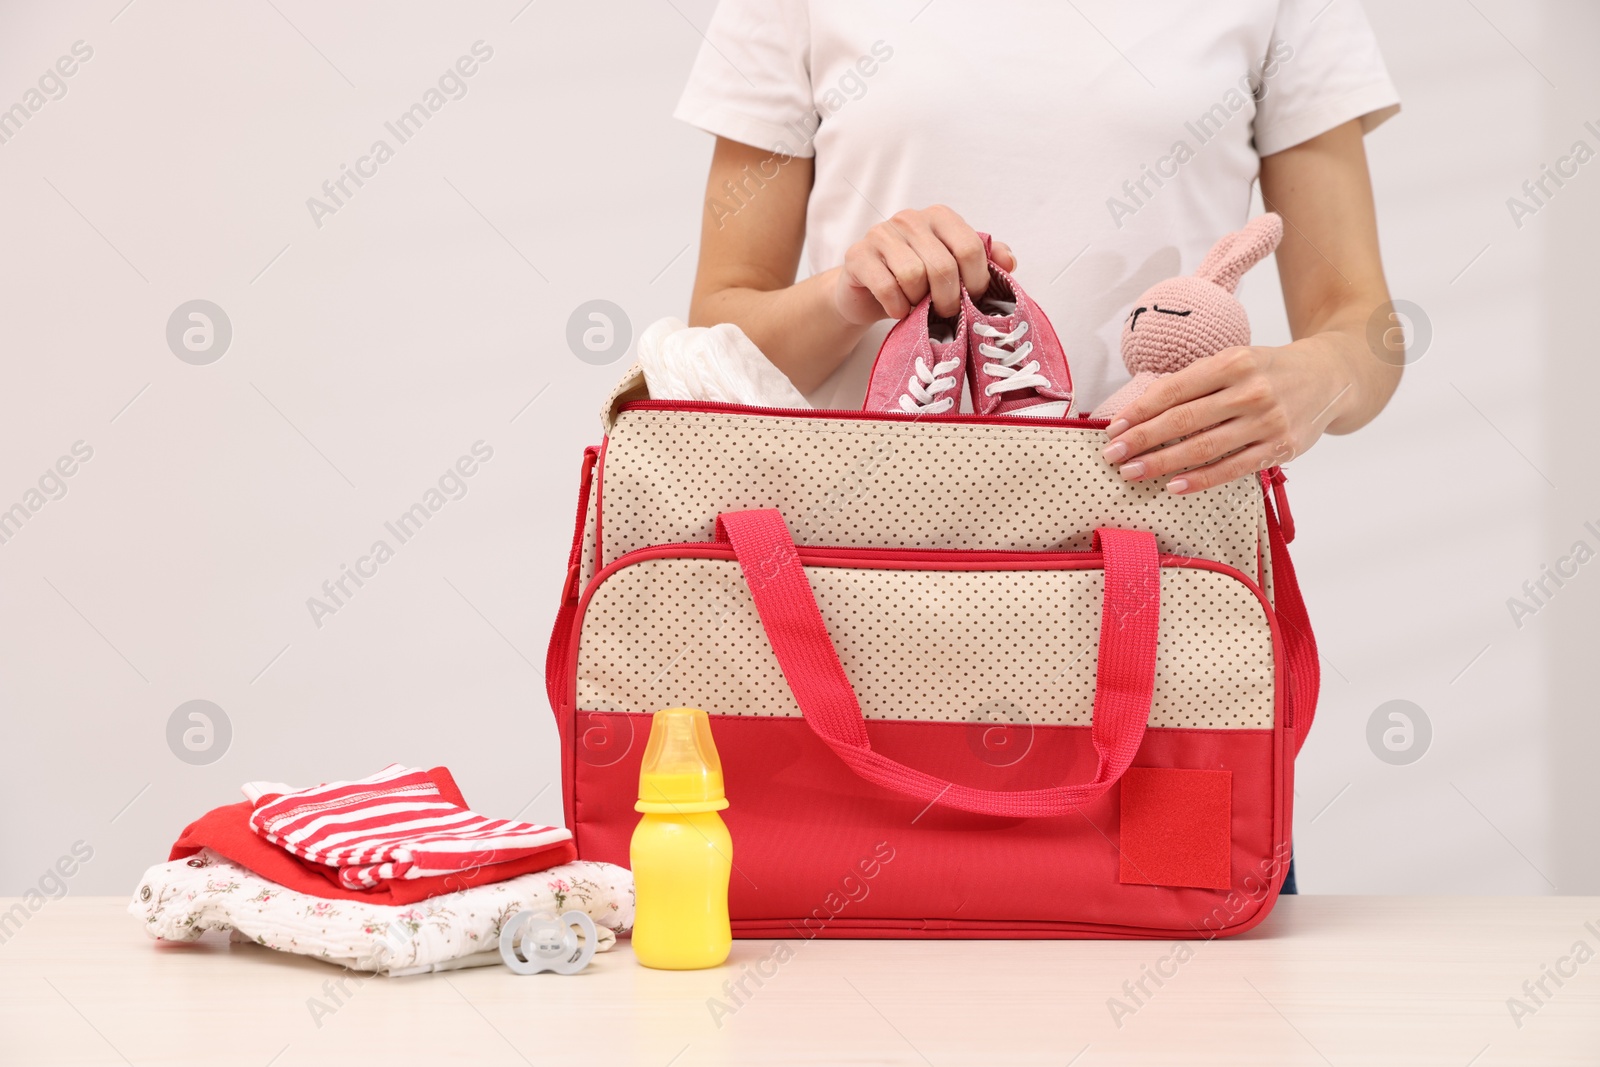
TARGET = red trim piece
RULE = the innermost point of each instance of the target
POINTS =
(562, 634)
(872, 416)
(984, 930)
(590, 456)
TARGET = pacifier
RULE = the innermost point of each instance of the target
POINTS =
(532, 942)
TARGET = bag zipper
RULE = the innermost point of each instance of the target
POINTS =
(1073, 422)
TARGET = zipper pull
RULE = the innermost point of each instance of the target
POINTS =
(1280, 500)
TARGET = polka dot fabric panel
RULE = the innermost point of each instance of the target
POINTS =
(631, 386)
(1015, 646)
(1264, 580)
(901, 484)
(587, 565)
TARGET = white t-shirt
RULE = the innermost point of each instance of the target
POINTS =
(1109, 149)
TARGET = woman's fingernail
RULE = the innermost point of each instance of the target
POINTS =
(1177, 485)
(1116, 427)
(1115, 451)
(1130, 471)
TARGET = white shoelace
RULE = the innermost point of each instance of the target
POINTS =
(1007, 359)
(925, 390)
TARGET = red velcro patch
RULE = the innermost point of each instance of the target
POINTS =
(1176, 827)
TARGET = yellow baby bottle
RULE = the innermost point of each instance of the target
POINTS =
(681, 852)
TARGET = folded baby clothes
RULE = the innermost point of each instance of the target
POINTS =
(712, 363)
(226, 831)
(181, 899)
(392, 825)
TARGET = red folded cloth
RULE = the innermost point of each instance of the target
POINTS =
(226, 831)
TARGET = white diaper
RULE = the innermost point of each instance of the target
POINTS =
(712, 363)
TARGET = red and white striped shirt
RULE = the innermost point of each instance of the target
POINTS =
(390, 825)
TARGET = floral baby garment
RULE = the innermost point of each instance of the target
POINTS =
(181, 899)
(391, 825)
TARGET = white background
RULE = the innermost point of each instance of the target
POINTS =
(425, 315)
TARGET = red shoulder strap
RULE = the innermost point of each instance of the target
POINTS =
(1300, 644)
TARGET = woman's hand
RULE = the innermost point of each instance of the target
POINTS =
(898, 262)
(1242, 410)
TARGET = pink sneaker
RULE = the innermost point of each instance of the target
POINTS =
(1017, 365)
(921, 364)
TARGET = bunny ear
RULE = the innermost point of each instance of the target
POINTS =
(1236, 253)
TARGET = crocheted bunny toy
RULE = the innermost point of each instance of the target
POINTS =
(1183, 319)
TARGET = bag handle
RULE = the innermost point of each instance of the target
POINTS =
(1129, 623)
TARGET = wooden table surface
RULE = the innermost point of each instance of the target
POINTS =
(1325, 980)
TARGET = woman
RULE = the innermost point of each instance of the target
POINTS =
(1110, 144)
